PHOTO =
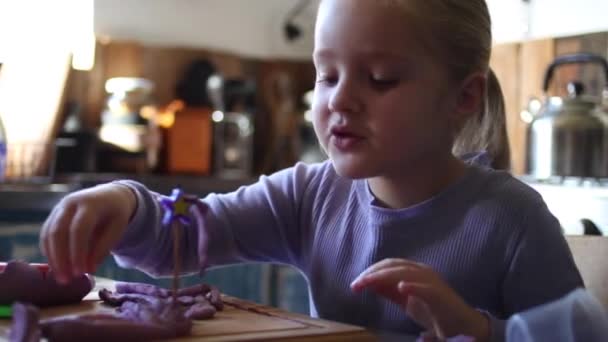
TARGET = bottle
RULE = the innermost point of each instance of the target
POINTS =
(234, 101)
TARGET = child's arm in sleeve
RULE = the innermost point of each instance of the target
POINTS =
(541, 267)
(260, 222)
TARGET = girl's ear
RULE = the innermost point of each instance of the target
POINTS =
(471, 96)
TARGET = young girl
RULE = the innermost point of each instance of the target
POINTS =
(394, 231)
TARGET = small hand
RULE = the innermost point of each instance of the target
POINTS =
(83, 227)
(425, 296)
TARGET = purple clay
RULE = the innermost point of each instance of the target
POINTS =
(144, 289)
(177, 207)
(24, 327)
(215, 298)
(200, 311)
(185, 300)
(21, 282)
(103, 328)
(196, 299)
(117, 299)
(192, 291)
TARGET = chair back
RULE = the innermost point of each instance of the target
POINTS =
(591, 257)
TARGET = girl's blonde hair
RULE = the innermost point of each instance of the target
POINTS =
(458, 33)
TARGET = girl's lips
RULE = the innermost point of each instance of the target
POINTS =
(344, 138)
(345, 142)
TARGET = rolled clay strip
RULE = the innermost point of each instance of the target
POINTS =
(194, 290)
(116, 299)
(185, 300)
(21, 282)
(140, 288)
(103, 328)
(24, 327)
(215, 298)
(200, 311)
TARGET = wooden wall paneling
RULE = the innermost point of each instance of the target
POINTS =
(123, 59)
(506, 65)
(165, 66)
(87, 88)
(95, 89)
(276, 118)
(535, 56)
(113, 59)
(230, 66)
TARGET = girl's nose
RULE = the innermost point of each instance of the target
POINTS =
(345, 97)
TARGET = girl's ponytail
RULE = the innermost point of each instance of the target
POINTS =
(495, 116)
(459, 34)
(487, 131)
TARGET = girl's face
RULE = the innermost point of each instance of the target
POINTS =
(381, 103)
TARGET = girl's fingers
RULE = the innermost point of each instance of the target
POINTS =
(419, 311)
(378, 277)
(104, 238)
(44, 232)
(426, 292)
(81, 229)
(380, 265)
(390, 276)
(385, 282)
(58, 236)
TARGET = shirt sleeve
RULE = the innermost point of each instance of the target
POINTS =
(261, 222)
(542, 268)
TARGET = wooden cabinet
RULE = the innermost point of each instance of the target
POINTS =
(506, 64)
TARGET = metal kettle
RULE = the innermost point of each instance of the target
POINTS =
(568, 137)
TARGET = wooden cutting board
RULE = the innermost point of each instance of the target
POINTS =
(239, 321)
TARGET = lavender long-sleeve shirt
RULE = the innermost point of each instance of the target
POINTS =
(489, 236)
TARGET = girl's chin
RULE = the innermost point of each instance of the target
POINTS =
(351, 169)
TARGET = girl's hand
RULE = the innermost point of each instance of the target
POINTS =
(425, 297)
(83, 227)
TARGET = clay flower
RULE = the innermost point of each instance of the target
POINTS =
(177, 207)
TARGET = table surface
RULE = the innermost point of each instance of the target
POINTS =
(239, 321)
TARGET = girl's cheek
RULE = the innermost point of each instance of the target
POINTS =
(319, 123)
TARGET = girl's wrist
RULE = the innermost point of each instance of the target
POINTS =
(480, 328)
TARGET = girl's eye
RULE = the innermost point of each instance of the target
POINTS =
(383, 82)
(327, 79)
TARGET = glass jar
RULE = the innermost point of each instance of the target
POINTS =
(233, 142)
(121, 121)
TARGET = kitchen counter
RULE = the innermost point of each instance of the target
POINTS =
(38, 198)
(199, 185)
(572, 201)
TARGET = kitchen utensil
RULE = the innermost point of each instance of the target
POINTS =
(567, 137)
(233, 100)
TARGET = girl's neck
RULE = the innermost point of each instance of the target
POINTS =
(414, 186)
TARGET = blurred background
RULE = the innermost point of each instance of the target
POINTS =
(210, 94)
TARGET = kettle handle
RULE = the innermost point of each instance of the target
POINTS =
(576, 58)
